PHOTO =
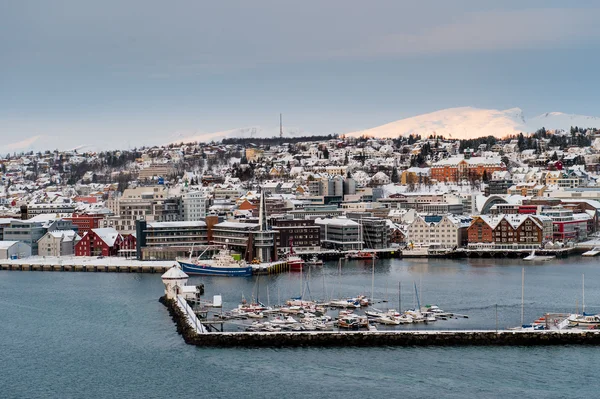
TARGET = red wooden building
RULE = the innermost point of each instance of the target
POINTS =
(99, 242)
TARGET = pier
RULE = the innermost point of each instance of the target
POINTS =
(192, 336)
(85, 264)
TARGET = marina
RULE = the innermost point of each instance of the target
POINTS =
(365, 320)
(110, 314)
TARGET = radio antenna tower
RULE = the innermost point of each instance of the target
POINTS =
(280, 127)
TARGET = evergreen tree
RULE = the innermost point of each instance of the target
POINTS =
(485, 177)
(395, 178)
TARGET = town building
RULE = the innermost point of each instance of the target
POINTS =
(58, 243)
(340, 233)
(303, 234)
(14, 250)
(467, 168)
(194, 206)
(442, 231)
(169, 240)
(99, 242)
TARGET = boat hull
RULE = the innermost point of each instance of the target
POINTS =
(208, 270)
(296, 266)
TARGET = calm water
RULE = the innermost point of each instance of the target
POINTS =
(105, 335)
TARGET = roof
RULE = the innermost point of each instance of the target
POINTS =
(7, 244)
(341, 221)
(237, 225)
(167, 225)
(174, 273)
(107, 234)
(471, 161)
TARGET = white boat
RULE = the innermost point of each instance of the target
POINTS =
(314, 261)
(584, 320)
(388, 320)
(345, 303)
(284, 320)
(374, 314)
(537, 258)
(592, 252)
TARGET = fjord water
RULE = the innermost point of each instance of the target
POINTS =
(98, 335)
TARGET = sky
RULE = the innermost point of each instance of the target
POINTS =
(122, 74)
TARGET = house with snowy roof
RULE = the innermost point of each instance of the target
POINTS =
(99, 242)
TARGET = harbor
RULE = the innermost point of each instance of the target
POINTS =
(328, 316)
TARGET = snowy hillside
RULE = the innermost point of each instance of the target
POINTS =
(245, 132)
(469, 122)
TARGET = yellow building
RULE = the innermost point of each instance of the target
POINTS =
(254, 154)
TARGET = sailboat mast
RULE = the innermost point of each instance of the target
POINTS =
(522, 296)
(583, 291)
(373, 281)
(399, 296)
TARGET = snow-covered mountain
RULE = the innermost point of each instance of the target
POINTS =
(559, 120)
(469, 122)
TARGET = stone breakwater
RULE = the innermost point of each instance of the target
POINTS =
(377, 338)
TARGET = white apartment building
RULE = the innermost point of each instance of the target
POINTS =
(445, 233)
(194, 206)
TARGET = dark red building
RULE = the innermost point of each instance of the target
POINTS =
(86, 222)
(99, 242)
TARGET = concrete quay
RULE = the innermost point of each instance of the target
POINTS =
(85, 264)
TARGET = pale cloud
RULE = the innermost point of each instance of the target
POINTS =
(22, 145)
(487, 31)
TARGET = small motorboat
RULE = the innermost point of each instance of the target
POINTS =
(361, 255)
(537, 258)
(314, 261)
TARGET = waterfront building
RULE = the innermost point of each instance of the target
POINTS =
(303, 233)
(99, 242)
(58, 243)
(445, 231)
(374, 230)
(519, 231)
(168, 240)
(26, 231)
(14, 250)
(340, 233)
(567, 226)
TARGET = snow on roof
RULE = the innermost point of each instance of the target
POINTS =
(68, 235)
(237, 225)
(341, 221)
(167, 225)
(7, 244)
(470, 161)
(107, 234)
(174, 273)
